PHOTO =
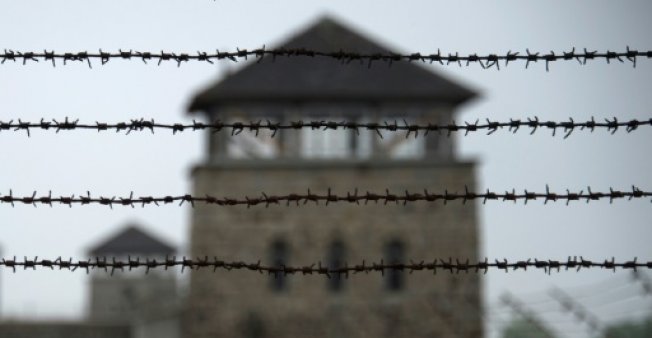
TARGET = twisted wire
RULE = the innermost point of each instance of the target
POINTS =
(329, 197)
(526, 313)
(485, 61)
(576, 309)
(410, 129)
(435, 265)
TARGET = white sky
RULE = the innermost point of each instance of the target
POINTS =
(73, 162)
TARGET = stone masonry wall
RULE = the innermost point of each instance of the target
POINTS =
(242, 304)
(62, 330)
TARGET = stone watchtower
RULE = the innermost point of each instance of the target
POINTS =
(246, 304)
(147, 303)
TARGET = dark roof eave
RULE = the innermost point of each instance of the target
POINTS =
(197, 106)
(132, 239)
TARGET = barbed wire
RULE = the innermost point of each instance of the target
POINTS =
(485, 61)
(446, 265)
(329, 197)
(410, 129)
(576, 309)
(517, 306)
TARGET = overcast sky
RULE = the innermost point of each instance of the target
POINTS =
(74, 162)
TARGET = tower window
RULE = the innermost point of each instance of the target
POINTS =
(394, 254)
(336, 253)
(397, 146)
(279, 258)
(326, 143)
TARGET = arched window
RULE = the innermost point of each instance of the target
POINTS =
(336, 253)
(279, 258)
(394, 254)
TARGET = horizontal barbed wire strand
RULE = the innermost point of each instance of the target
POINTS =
(435, 265)
(485, 61)
(235, 128)
(329, 197)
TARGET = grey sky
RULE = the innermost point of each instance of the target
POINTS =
(74, 162)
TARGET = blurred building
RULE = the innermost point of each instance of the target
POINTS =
(244, 304)
(124, 304)
(147, 303)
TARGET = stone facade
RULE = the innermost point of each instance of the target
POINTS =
(149, 304)
(62, 330)
(245, 304)
(120, 299)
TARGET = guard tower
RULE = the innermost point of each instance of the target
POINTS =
(244, 304)
(146, 302)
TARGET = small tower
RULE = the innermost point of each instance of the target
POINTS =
(245, 304)
(143, 301)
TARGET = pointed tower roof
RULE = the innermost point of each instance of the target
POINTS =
(132, 241)
(303, 78)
